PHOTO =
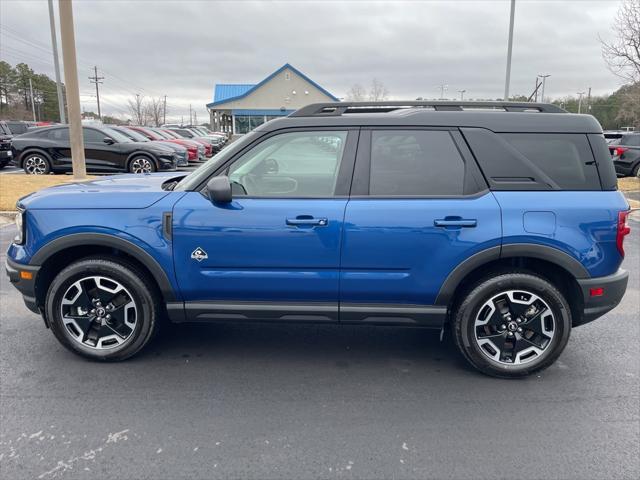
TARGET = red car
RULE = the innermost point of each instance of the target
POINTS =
(192, 147)
(207, 145)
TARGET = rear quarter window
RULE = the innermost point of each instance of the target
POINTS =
(565, 158)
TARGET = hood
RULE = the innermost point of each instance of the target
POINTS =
(112, 192)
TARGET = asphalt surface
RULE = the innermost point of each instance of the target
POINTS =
(301, 402)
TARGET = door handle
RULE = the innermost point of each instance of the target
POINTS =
(456, 222)
(307, 221)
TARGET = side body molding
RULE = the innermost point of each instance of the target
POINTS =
(104, 240)
(542, 252)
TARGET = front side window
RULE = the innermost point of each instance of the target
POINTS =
(300, 164)
(631, 140)
(415, 163)
(93, 136)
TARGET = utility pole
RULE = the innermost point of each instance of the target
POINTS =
(138, 110)
(73, 92)
(443, 88)
(507, 79)
(544, 81)
(461, 92)
(33, 105)
(190, 121)
(580, 94)
(56, 63)
(589, 100)
(97, 80)
(164, 111)
(195, 118)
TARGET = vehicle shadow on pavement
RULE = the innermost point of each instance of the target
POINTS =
(342, 345)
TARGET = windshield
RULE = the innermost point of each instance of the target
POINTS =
(160, 133)
(172, 134)
(4, 130)
(133, 135)
(116, 135)
(206, 170)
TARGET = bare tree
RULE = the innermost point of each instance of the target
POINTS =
(138, 110)
(629, 111)
(378, 92)
(356, 93)
(623, 54)
(155, 111)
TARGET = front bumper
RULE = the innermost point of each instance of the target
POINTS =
(18, 274)
(167, 163)
(6, 155)
(613, 288)
(623, 168)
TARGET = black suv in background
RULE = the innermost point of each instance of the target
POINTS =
(47, 150)
(626, 155)
(6, 154)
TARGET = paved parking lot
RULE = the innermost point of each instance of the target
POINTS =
(245, 401)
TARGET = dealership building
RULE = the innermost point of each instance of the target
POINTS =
(240, 107)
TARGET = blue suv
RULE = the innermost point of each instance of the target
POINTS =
(500, 221)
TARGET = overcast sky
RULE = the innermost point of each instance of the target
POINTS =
(183, 48)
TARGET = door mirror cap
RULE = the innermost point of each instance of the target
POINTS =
(109, 141)
(219, 189)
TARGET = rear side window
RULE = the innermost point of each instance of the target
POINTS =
(415, 163)
(59, 134)
(565, 158)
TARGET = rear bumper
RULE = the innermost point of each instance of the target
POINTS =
(27, 287)
(613, 289)
(623, 168)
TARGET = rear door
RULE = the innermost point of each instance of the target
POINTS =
(418, 208)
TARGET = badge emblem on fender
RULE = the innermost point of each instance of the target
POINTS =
(199, 254)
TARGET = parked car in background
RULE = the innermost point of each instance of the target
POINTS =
(154, 136)
(17, 127)
(208, 149)
(198, 137)
(6, 154)
(626, 155)
(47, 150)
(183, 152)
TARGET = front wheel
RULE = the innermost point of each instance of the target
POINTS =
(512, 325)
(102, 308)
(36, 164)
(141, 165)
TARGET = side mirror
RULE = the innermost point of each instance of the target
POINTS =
(219, 189)
(109, 141)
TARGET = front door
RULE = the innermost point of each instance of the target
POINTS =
(100, 156)
(274, 251)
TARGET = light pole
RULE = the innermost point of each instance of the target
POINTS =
(544, 81)
(580, 94)
(73, 92)
(56, 63)
(507, 79)
(461, 92)
(443, 88)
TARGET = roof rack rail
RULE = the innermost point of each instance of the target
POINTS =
(340, 108)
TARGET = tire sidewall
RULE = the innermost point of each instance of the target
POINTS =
(46, 159)
(470, 308)
(143, 298)
(145, 157)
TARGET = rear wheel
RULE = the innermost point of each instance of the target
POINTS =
(141, 164)
(636, 171)
(102, 308)
(512, 325)
(36, 164)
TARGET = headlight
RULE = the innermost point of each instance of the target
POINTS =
(19, 238)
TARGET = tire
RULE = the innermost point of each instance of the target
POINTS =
(636, 171)
(36, 163)
(526, 337)
(141, 164)
(82, 325)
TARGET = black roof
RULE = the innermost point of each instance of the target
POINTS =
(500, 117)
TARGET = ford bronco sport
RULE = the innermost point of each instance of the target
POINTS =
(500, 221)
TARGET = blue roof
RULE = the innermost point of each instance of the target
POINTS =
(227, 92)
